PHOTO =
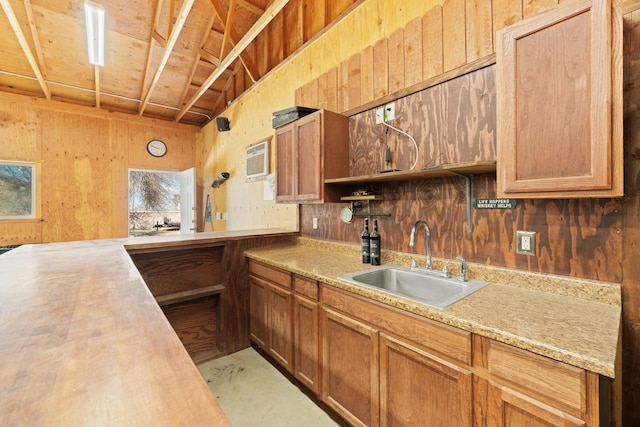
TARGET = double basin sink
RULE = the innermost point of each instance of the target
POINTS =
(424, 286)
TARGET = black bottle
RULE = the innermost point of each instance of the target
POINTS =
(366, 257)
(374, 240)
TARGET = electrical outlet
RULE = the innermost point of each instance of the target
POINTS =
(225, 216)
(389, 112)
(315, 223)
(218, 215)
(379, 115)
(526, 242)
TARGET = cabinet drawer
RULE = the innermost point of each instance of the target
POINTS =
(446, 340)
(539, 375)
(306, 287)
(272, 274)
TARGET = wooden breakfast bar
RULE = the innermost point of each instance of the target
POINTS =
(85, 343)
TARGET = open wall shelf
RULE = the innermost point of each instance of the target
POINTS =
(440, 171)
(464, 170)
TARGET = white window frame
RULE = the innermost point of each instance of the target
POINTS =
(33, 167)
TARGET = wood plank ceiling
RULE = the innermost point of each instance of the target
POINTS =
(176, 60)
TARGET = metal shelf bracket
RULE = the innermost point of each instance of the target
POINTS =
(469, 190)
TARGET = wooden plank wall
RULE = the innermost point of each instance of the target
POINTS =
(432, 47)
(455, 122)
(298, 22)
(452, 122)
(83, 156)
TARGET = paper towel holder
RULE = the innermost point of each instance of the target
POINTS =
(220, 179)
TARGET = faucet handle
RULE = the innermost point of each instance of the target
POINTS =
(463, 269)
(414, 264)
(446, 270)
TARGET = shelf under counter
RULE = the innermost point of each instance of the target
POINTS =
(440, 171)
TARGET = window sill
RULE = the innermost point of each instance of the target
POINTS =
(21, 220)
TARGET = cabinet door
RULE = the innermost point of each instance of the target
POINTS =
(558, 101)
(309, 176)
(258, 311)
(280, 344)
(305, 342)
(417, 388)
(350, 368)
(285, 157)
(511, 408)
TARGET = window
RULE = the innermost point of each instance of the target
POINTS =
(17, 190)
(161, 202)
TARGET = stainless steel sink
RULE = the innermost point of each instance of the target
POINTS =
(438, 292)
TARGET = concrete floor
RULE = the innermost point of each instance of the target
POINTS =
(252, 392)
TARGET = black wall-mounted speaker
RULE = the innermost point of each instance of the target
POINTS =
(223, 124)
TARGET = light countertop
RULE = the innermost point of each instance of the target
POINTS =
(571, 320)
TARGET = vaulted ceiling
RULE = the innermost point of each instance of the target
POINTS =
(177, 60)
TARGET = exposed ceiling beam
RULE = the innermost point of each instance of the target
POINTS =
(145, 77)
(162, 41)
(221, 94)
(251, 7)
(34, 37)
(11, 16)
(194, 67)
(216, 33)
(248, 63)
(171, 42)
(271, 12)
(227, 27)
(209, 57)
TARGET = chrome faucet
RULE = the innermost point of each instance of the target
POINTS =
(463, 269)
(412, 240)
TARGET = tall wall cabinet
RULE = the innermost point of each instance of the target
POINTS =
(308, 151)
(559, 101)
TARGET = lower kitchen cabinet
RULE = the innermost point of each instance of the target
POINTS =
(418, 388)
(258, 289)
(350, 368)
(305, 333)
(280, 315)
(511, 408)
(377, 365)
(271, 308)
(532, 390)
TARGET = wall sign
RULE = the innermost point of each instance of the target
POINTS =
(495, 203)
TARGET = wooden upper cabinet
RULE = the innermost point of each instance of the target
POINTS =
(308, 151)
(559, 89)
(284, 164)
(310, 159)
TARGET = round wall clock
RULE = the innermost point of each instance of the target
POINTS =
(156, 148)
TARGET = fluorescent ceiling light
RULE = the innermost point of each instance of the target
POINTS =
(94, 14)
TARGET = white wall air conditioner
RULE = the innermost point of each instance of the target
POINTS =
(258, 160)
